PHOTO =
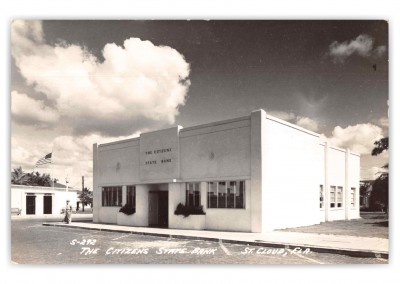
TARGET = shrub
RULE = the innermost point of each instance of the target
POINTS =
(127, 209)
(189, 210)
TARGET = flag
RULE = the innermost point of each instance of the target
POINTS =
(45, 160)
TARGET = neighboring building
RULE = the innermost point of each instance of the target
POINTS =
(365, 193)
(253, 174)
(41, 200)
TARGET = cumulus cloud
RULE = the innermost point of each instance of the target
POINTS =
(384, 122)
(288, 116)
(72, 155)
(29, 110)
(307, 123)
(363, 46)
(138, 84)
(358, 138)
(380, 50)
(301, 121)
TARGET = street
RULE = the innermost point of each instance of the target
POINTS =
(33, 243)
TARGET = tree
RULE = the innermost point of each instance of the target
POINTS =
(380, 146)
(380, 187)
(18, 176)
(34, 179)
(86, 198)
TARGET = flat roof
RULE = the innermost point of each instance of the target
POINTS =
(219, 122)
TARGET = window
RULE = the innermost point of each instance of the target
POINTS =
(321, 196)
(353, 197)
(111, 196)
(336, 196)
(239, 195)
(339, 196)
(193, 194)
(230, 194)
(222, 194)
(226, 194)
(212, 195)
(131, 196)
(332, 196)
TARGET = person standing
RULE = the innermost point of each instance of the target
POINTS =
(68, 213)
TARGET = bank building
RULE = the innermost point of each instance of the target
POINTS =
(249, 174)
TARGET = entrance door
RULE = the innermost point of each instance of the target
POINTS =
(47, 204)
(30, 205)
(153, 209)
(163, 209)
(158, 209)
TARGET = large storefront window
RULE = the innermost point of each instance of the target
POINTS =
(111, 196)
(193, 194)
(226, 194)
(131, 196)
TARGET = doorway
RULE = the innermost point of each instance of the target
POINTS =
(158, 209)
(47, 204)
(30, 205)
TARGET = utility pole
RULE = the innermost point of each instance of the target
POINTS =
(83, 194)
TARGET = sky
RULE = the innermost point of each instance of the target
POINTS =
(75, 83)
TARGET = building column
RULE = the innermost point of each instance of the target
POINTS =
(346, 199)
(257, 124)
(123, 195)
(203, 195)
(96, 189)
(327, 196)
(174, 198)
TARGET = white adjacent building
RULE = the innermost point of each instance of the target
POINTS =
(252, 174)
(40, 200)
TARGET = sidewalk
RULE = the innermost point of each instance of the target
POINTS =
(54, 217)
(324, 243)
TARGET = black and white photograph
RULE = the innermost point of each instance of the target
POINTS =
(199, 142)
(172, 141)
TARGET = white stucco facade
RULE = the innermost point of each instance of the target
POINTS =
(40, 200)
(252, 174)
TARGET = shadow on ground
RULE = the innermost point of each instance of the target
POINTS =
(381, 224)
(373, 225)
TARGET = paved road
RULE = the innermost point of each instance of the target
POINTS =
(33, 243)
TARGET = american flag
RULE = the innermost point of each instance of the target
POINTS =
(45, 160)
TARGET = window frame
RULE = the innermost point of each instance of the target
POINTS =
(225, 195)
(321, 197)
(195, 187)
(332, 204)
(353, 197)
(111, 195)
(339, 189)
(130, 196)
(336, 197)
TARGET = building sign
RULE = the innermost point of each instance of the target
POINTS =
(153, 155)
(159, 153)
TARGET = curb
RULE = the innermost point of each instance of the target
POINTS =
(260, 243)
